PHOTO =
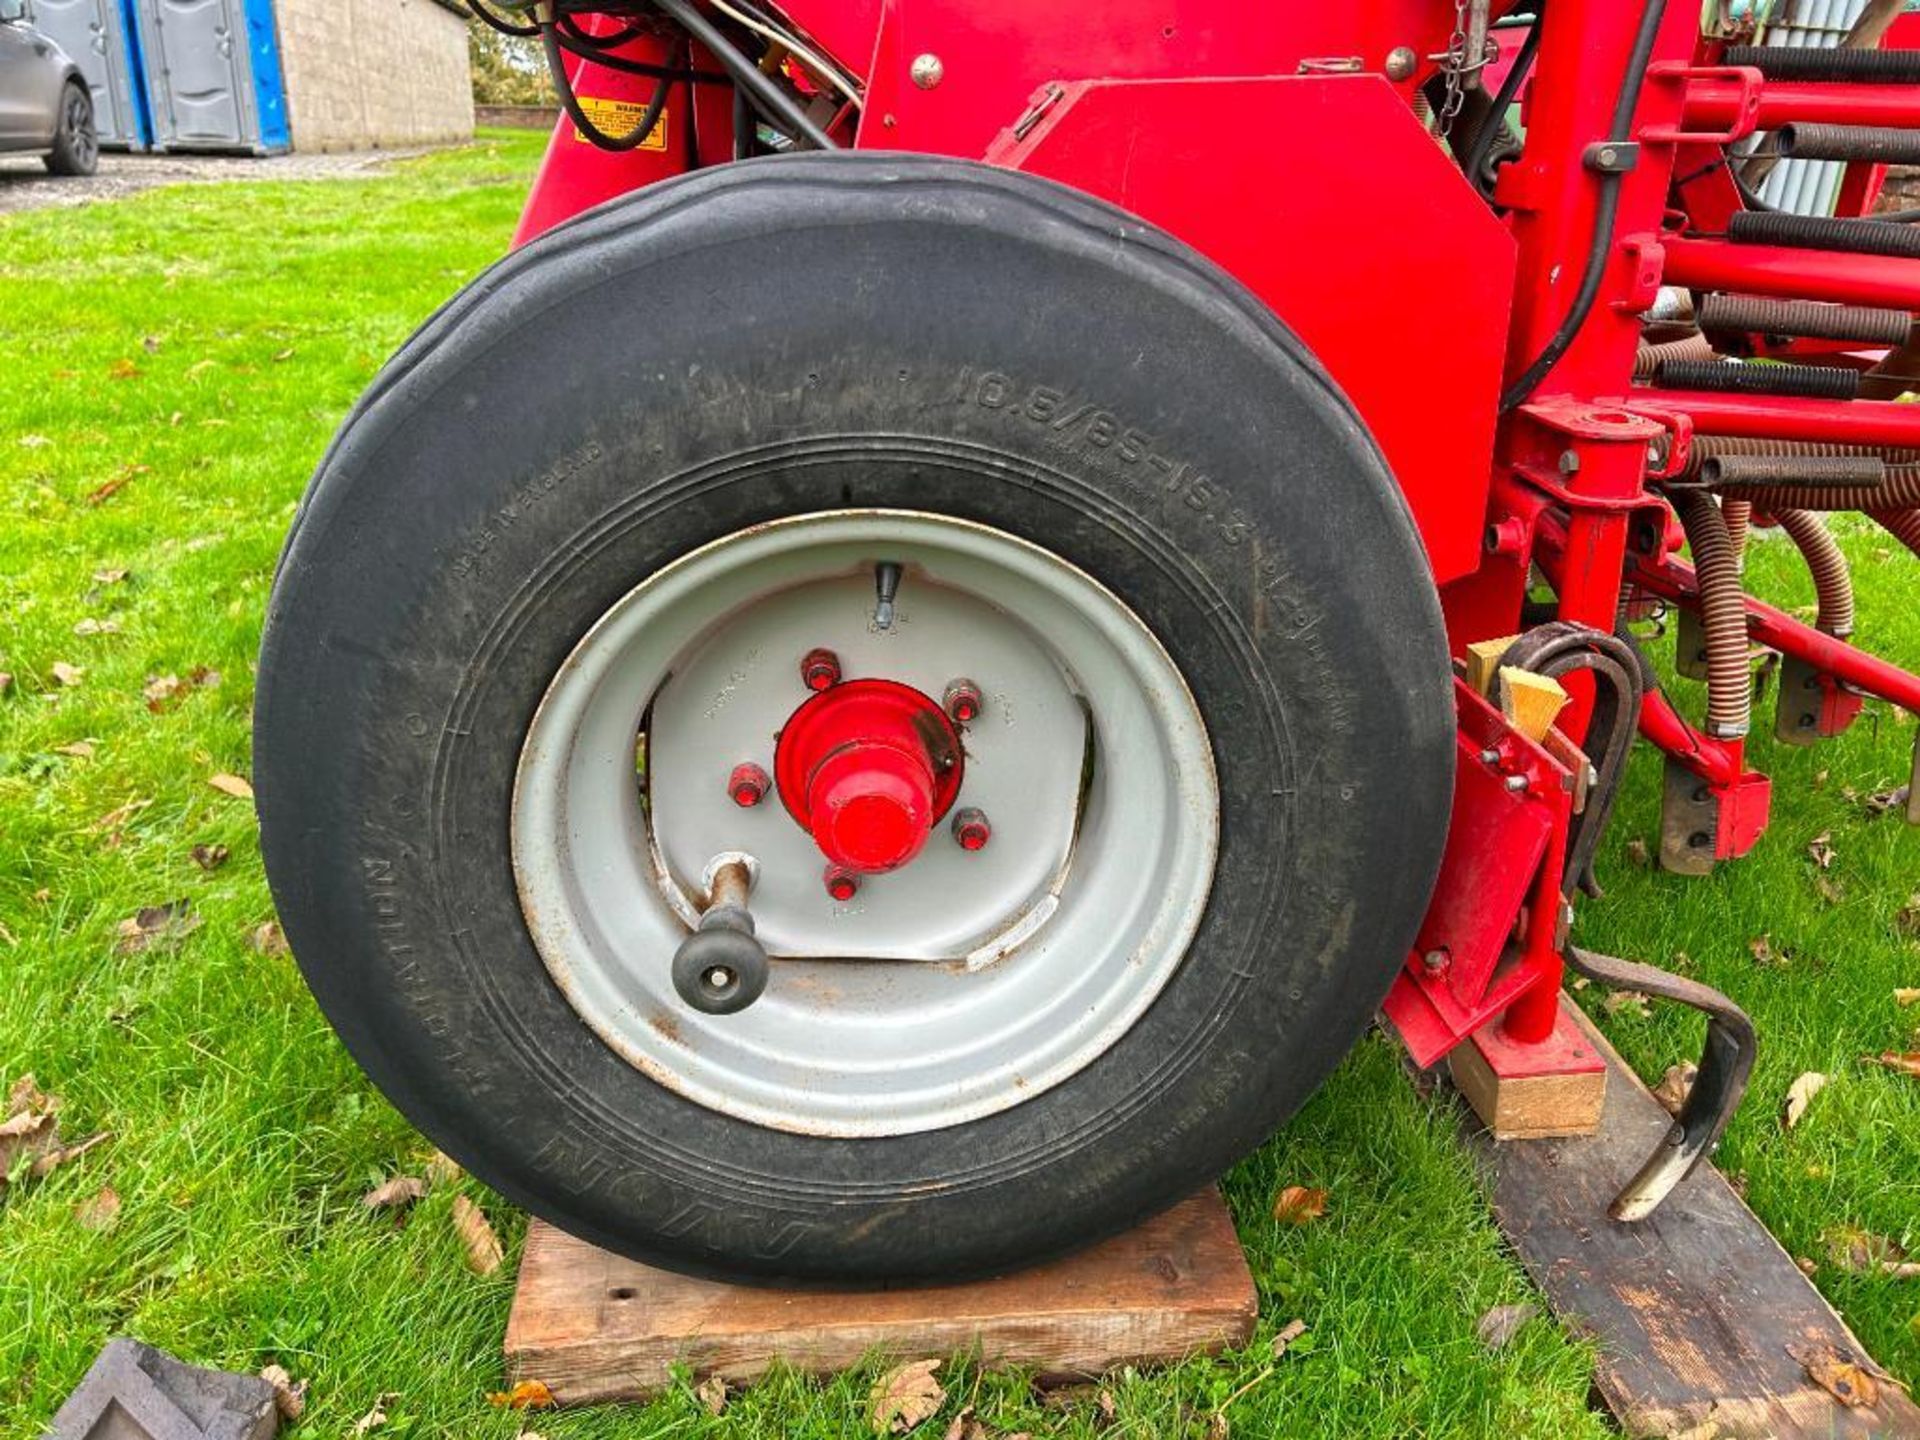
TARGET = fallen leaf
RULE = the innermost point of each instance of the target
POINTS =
(394, 1193)
(1907, 996)
(1857, 1252)
(122, 369)
(231, 785)
(151, 344)
(109, 577)
(374, 1418)
(100, 1210)
(209, 857)
(281, 357)
(1631, 1001)
(1820, 848)
(267, 939)
(1908, 920)
(119, 816)
(156, 926)
(289, 1398)
(527, 1395)
(1299, 1204)
(1498, 1325)
(202, 676)
(1907, 1064)
(1676, 1085)
(712, 1393)
(1837, 1372)
(114, 484)
(483, 1246)
(1637, 852)
(905, 1396)
(1286, 1335)
(161, 690)
(66, 674)
(6, 681)
(1807, 1267)
(1799, 1095)
(30, 1142)
(1765, 952)
(79, 749)
(91, 626)
(1882, 802)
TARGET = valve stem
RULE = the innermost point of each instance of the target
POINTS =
(886, 585)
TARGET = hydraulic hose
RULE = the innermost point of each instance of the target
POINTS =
(1723, 614)
(1739, 517)
(1832, 581)
(1899, 491)
(1904, 525)
(1689, 347)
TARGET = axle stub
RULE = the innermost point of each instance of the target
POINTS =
(1726, 1062)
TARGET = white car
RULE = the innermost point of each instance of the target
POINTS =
(46, 108)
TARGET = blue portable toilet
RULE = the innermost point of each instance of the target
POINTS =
(100, 35)
(213, 75)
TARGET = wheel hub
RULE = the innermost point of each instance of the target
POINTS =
(868, 768)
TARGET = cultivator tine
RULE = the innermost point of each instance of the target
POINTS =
(1726, 1062)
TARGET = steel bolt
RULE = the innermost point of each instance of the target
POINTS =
(1401, 61)
(1436, 959)
(820, 669)
(1516, 783)
(971, 830)
(1569, 462)
(842, 884)
(927, 70)
(963, 701)
(748, 785)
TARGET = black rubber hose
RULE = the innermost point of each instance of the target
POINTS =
(570, 102)
(777, 104)
(1606, 210)
(1503, 98)
(484, 12)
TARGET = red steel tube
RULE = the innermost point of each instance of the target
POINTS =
(1784, 417)
(1890, 280)
(1718, 762)
(1715, 104)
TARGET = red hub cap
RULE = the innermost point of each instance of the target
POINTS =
(868, 768)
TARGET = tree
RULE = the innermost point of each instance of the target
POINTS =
(507, 69)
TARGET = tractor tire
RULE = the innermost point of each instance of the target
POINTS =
(868, 341)
(76, 142)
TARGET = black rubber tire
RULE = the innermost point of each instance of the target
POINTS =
(776, 338)
(76, 143)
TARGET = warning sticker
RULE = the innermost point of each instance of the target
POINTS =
(617, 117)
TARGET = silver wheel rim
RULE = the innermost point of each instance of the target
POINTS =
(1010, 969)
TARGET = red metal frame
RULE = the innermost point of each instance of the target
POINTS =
(1237, 128)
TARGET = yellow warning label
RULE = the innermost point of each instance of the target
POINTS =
(617, 117)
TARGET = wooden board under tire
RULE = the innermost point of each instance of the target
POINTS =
(1697, 1313)
(596, 1327)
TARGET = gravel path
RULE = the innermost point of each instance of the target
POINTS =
(25, 184)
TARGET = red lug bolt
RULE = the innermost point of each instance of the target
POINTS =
(820, 669)
(962, 701)
(971, 830)
(748, 785)
(842, 884)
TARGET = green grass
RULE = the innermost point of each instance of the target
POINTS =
(199, 344)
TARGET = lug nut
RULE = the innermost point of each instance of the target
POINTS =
(971, 830)
(963, 702)
(748, 785)
(842, 884)
(820, 669)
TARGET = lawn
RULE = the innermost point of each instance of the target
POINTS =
(175, 363)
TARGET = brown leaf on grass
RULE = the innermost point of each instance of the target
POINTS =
(1800, 1095)
(1675, 1085)
(6, 681)
(1286, 1335)
(527, 1395)
(115, 483)
(150, 344)
(109, 577)
(1637, 853)
(209, 857)
(119, 816)
(202, 676)
(374, 1418)
(904, 1397)
(1883, 802)
(65, 674)
(1839, 1374)
(156, 926)
(1501, 1323)
(1901, 1064)
(266, 938)
(122, 369)
(396, 1192)
(483, 1246)
(1904, 995)
(79, 749)
(30, 1142)
(1858, 1252)
(232, 785)
(289, 1396)
(712, 1393)
(1766, 953)
(91, 626)
(161, 691)
(100, 1210)
(1631, 1001)
(1299, 1205)
(1820, 848)
(1907, 922)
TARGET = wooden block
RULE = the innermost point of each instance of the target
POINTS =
(594, 1326)
(1530, 702)
(1530, 1092)
(1483, 662)
(1695, 1314)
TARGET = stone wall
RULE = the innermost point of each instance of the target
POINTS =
(370, 73)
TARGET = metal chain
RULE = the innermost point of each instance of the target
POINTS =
(1469, 49)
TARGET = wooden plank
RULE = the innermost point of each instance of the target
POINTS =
(1530, 1092)
(595, 1327)
(1483, 662)
(1530, 702)
(1697, 1313)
